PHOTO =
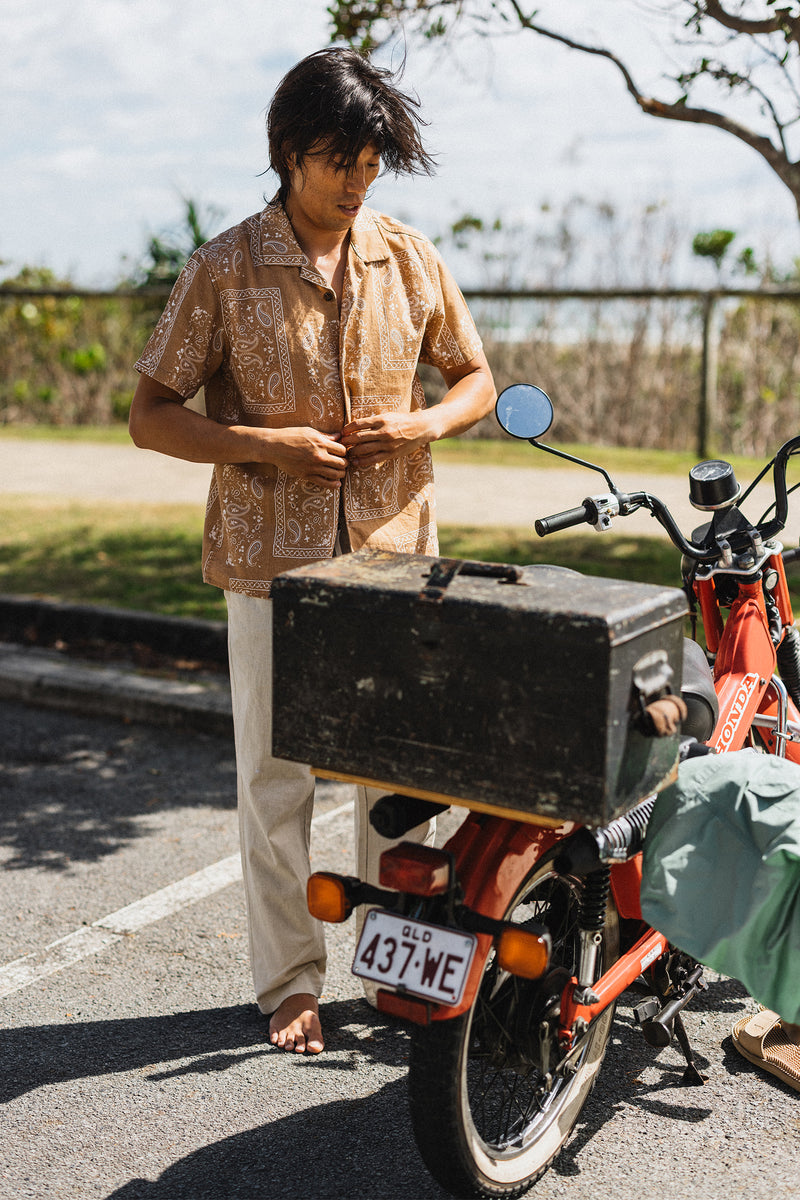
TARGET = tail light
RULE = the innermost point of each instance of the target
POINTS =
(421, 870)
(328, 897)
(521, 952)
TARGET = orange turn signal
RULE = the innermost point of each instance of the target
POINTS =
(421, 870)
(521, 952)
(327, 896)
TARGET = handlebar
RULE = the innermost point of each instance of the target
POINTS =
(781, 495)
(730, 532)
(596, 510)
(564, 520)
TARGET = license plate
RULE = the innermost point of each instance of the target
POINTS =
(414, 957)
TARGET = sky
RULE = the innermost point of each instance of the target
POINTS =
(111, 111)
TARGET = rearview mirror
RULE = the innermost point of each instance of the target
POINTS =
(524, 411)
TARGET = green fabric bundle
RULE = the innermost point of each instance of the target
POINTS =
(721, 871)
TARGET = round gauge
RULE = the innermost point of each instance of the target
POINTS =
(712, 485)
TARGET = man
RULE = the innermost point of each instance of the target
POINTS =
(304, 325)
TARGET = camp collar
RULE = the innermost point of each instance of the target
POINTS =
(278, 244)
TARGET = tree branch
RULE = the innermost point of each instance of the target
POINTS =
(778, 23)
(359, 16)
(776, 157)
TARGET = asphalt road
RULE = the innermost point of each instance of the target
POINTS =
(465, 494)
(141, 1070)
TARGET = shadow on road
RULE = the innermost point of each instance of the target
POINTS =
(40, 1056)
(329, 1151)
(361, 1145)
(75, 789)
(215, 1038)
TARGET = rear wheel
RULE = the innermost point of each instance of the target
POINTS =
(490, 1109)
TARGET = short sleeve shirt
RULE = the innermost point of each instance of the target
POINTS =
(252, 322)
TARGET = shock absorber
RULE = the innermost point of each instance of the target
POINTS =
(591, 919)
(788, 655)
(625, 836)
(583, 851)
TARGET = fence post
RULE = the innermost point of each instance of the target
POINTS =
(707, 409)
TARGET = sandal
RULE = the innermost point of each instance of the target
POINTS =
(761, 1040)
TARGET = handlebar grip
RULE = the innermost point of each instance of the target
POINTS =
(562, 520)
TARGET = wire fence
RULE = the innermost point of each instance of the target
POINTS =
(705, 370)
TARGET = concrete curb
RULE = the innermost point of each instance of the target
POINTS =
(45, 678)
(30, 619)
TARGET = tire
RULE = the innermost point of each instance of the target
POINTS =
(487, 1121)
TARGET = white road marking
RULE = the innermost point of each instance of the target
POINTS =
(91, 939)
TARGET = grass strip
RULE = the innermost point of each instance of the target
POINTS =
(143, 557)
(147, 557)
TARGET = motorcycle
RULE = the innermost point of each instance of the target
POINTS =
(547, 913)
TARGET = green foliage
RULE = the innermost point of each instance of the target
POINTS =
(622, 372)
(462, 229)
(367, 24)
(145, 558)
(86, 359)
(63, 357)
(69, 360)
(644, 559)
(580, 242)
(746, 262)
(713, 245)
(168, 253)
(353, 21)
(148, 559)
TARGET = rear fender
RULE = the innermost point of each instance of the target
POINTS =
(626, 887)
(493, 856)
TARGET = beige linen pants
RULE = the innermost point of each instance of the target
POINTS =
(276, 800)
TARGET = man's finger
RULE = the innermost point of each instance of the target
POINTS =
(333, 481)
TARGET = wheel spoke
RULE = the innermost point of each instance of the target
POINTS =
(504, 1102)
(507, 1092)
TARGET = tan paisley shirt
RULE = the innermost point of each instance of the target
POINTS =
(257, 326)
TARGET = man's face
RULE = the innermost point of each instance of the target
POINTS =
(323, 194)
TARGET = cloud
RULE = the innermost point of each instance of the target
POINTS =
(113, 109)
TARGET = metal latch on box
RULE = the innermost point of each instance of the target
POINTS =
(658, 711)
(444, 571)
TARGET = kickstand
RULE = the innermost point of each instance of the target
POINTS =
(691, 1076)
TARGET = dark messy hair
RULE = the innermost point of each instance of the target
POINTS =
(336, 102)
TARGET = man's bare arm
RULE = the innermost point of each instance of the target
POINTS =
(159, 421)
(470, 396)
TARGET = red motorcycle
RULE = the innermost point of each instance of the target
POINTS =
(508, 947)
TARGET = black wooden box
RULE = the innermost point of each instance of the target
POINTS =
(507, 690)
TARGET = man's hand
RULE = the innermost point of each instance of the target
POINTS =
(376, 439)
(385, 435)
(306, 453)
(160, 421)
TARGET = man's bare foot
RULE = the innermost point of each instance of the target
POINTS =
(295, 1025)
